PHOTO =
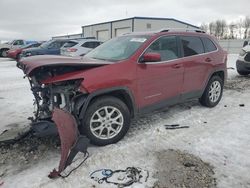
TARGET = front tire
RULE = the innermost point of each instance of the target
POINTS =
(106, 121)
(213, 92)
(3, 52)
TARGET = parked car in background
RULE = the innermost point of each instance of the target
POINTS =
(129, 75)
(13, 45)
(246, 42)
(15, 53)
(79, 47)
(243, 62)
(51, 47)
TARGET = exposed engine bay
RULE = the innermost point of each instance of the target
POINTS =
(59, 97)
(48, 91)
(47, 97)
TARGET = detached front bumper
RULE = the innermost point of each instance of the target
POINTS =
(242, 66)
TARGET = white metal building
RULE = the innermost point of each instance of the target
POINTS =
(107, 30)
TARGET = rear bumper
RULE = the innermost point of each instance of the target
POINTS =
(242, 66)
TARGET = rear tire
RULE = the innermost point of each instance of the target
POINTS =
(213, 92)
(106, 121)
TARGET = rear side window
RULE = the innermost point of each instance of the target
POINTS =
(191, 45)
(208, 45)
(70, 44)
(166, 47)
(61, 43)
(91, 44)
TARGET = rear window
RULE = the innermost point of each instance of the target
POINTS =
(208, 45)
(70, 44)
(191, 45)
(91, 44)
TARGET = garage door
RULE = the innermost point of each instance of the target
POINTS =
(103, 35)
(121, 31)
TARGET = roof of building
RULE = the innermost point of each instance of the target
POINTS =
(68, 35)
(143, 18)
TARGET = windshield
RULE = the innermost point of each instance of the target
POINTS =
(118, 48)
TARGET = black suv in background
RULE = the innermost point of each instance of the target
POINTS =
(51, 47)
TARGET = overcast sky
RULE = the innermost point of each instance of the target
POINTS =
(42, 19)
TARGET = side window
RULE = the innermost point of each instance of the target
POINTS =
(56, 44)
(95, 44)
(61, 44)
(91, 44)
(18, 42)
(191, 46)
(87, 45)
(208, 44)
(53, 45)
(166, 47)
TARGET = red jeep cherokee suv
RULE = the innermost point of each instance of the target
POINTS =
(129, 75)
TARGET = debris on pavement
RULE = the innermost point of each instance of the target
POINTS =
(121, 178)
(175, 126)
(13, 135)
(241, 105)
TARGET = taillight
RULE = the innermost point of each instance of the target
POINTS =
(71, 50)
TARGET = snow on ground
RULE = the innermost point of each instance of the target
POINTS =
(219, 136)
(15, 96)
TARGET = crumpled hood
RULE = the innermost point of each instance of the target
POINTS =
(29, 64)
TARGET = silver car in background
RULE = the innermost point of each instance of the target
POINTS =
(79, 47)
(243, 62)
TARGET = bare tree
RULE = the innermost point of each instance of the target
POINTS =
(246, 24)
(223, 28)
(204, 27)
(232, 26)
(220, 28)
(217, 28)
(211, 27)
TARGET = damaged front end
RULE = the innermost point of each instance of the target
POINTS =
(56, 82)
(59, 94)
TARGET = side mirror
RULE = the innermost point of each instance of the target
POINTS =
(150, 57)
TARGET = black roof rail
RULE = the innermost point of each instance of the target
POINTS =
(181, 30)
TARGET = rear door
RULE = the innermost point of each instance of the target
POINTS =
(160, 82)
(196, 65)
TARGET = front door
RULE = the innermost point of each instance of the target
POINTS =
(159, 83)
